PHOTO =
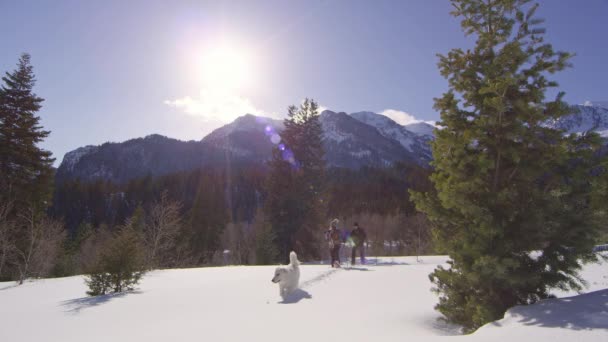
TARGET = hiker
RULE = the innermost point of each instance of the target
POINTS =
(332, 235)
(358, 237)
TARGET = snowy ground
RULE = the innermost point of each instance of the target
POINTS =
(387, 301)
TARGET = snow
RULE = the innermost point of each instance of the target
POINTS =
(388, 128)
(72, 158)
(389, 299)
(588, 118)
(247, 122)
(421, 128)
(602, 104)
(331, 132)
(361, 153)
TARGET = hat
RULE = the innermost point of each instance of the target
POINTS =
(334, 222)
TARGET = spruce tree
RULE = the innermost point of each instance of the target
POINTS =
(296, 187)
(25, 169)
(512, 201)
(120, 265)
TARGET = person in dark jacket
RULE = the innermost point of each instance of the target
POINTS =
(332, 235)
(358, 237)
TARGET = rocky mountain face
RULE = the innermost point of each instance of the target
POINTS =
(414, 138)
(351, 141)
(242, 141)
(585, 118)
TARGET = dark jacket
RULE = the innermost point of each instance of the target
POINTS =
(358, 236)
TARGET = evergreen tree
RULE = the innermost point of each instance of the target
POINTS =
(512, 202)
(25, 169)
(120, 265)
(295, 189)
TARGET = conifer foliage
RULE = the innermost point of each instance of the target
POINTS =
(25, 168)
(512, 201)
(296, 187)
(29, 240)
(120, 265)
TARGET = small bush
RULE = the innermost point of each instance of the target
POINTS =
(120, 265)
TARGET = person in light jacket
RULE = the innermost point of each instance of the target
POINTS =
(332, 235)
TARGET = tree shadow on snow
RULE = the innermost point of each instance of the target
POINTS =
(296, 296)
(348, 268)
(443, 327)
(74, 306)
(9, 286)
(583, 312)
(383, 262)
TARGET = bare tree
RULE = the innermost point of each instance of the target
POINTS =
(162, 229)
(7, 229)
(91, 248)
(38, 244)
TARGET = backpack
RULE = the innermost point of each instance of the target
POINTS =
(333, 236)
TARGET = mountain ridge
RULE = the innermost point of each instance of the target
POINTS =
(351, 141)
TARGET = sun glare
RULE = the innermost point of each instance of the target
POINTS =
(226, 69)
(225, 75)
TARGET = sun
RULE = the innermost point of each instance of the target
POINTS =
(226, 69)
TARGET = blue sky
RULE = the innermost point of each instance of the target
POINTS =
(115, 70)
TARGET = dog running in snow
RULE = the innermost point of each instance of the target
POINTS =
(288, 276)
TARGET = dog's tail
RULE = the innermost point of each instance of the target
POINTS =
(293, 258)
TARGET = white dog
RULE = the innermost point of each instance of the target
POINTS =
(288, 276)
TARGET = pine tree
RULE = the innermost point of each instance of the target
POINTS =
(296, 187)
(120, 266)
(512, 196)
(25, 169)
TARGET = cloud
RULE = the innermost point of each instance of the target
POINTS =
(403, 118)
(321, 109)
(215, 105)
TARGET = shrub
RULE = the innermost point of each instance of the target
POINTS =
(120, 265)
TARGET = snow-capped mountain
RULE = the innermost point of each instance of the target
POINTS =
(414, 139)
(349, 142)
(421, 128)
(585, 118)
(248, 136)
(601, 104)
(72, 158)
(352, 143)
(153, 155)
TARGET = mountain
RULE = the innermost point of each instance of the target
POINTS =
(249, 139)
(414, 138)
(421, 128)
(153, 155)
(351, 141)
(585, 118)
